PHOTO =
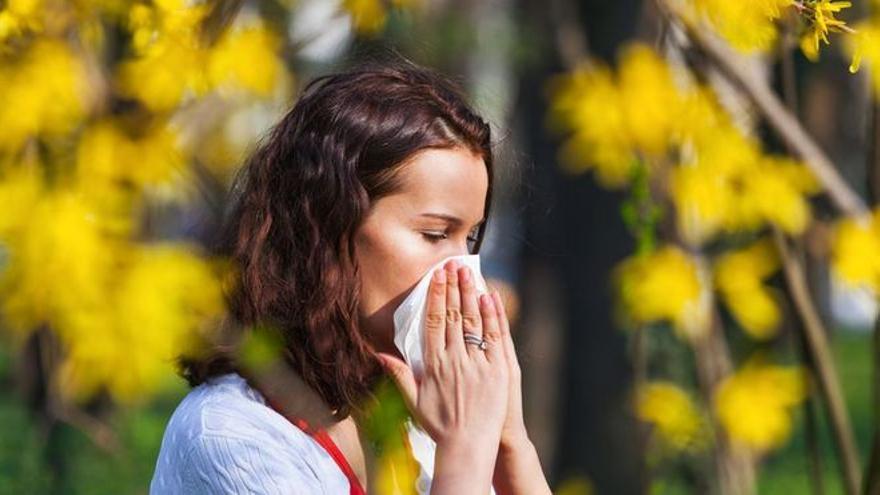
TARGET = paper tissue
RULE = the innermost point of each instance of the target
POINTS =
(409, 337)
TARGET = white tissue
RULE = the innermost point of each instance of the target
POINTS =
(409, 337)
(409, 317)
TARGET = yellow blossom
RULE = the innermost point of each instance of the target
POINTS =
(248, 59)
(727, 184)
(22, 186)
(864, 45)
(107, 153)
(769, 195)
(59, 263)
(19, 16)
(170, 63)
(44, 92)
(739, 277)
(615, 119)
(397, 471)
(165, 300)
(820, 16)
(370, 16)
(666, 285)
(676, 420)
(747, 26)
(588, 102)
(754, 404)
(855, 251)
(650, 100)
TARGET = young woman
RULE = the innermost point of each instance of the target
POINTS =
(374, 176)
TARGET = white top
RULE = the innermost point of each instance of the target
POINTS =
(223, 438)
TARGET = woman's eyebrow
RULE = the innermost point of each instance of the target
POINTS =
(450, 218)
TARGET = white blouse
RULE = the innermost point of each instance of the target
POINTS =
(224, 438)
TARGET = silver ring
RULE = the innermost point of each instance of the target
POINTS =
(470, 338)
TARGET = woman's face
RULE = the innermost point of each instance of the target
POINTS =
(439, 205)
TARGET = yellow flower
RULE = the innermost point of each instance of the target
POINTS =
(615, 119)
(769, 194)
(855, 251)
(726, 184)
(819, 14)
(22, 186)
(247, 58)
(107, 153)
(59, 263)
(747, 26)
(739, 276)
(754, 404)
(165, 75)
(676, 420)
(370, 16)
(19, 16)
(650, 99)
(397, 471)
(162, 306)
(45, 92)
(588, 102)
(113, 307)
(666, 285)
(864, 45)
(169, 65)
(705, 187)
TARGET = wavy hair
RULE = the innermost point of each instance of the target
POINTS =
(298, 201)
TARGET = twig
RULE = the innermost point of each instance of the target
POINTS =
(829, 383)
(734, 464)
(872, 476)
(811, 406)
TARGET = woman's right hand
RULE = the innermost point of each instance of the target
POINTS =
(461, 399)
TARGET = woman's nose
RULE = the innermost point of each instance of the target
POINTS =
(459, 250)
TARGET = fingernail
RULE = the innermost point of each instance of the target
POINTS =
(486, 301)
(440, 276)
(465, 274)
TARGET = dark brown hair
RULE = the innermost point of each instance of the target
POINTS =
(300, 197)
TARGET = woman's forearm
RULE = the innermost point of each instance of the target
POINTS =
(518, 470)
(463, 468)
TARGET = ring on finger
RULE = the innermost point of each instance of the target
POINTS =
(472, 338)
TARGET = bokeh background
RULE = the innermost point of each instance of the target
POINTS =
(683, 230)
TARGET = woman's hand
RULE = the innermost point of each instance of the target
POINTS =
(462, 399)
(513, 433)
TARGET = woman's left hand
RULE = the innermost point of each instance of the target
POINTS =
(517, 468)
(514, 430)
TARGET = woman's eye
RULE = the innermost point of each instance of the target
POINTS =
(434, 236)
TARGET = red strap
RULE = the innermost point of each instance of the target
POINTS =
(323, 438)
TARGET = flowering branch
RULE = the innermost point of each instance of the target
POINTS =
(800, 143)
(780, 119)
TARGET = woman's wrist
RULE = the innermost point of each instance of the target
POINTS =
(464, 466)
(518, 442)
(518, 469)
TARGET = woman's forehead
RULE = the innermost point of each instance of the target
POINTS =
(452, 179)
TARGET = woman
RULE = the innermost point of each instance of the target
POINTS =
(374, 176)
